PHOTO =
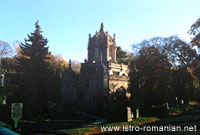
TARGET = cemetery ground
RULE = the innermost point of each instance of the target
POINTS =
(183, 115)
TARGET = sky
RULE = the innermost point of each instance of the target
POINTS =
(67, 23)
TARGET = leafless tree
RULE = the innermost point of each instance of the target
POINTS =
(5, 49)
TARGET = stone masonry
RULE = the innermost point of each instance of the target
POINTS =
(99, 74)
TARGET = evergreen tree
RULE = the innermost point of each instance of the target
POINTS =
(35, 73)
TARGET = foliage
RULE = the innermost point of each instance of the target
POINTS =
(57, 63)
(5, 112)
(36, 77)
(179, 52)
(113, 102)
(18, 49)
(195, 32)
(123, 56)
(5, 125)
(76, 66)
(5, 49)
(150, 82)
(9, 63)
(183, 84)
(194, 68)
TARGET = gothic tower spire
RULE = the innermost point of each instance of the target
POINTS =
(102, 27)
(102, 47)
(70, 64)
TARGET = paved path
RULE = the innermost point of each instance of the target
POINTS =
(53, 127)
(98, 120)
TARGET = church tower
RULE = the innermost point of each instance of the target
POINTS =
(99, 74)
(102, 47)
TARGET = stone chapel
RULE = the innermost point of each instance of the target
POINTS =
(99, 74)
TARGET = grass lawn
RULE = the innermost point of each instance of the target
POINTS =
(97, 129)
(135, 122)
(5, 125)
(178, 110)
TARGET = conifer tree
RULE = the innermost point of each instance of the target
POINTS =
(35, 73)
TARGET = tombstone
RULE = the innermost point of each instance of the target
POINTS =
(129, 115)
(4, 101)
(167, 105)
(182, 101)
(137, 113)
(132, 115)
(176, 101)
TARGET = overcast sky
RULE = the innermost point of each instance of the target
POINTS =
(67, 23)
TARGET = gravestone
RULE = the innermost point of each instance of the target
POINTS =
(4, 100)
(137, 113)
(176, 101)
(167, 105)
(182, 101)
(129, 115)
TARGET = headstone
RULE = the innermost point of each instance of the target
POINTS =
(137, 113)
(128, 110)
(16, 112)
(132, 115)
(4, 101)
(176, 101)
(182, 101)
(167, 105)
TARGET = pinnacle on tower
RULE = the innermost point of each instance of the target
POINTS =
(114, 36)
(102, 27)
(70, 64)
